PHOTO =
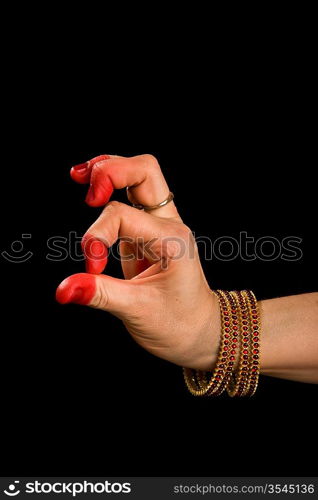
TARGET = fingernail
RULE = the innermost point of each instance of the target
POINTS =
(90, 195)
(81, 167)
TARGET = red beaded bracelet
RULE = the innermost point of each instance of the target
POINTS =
(197, 381)
(254, 359)
(240, 331)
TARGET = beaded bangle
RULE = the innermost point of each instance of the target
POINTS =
(254, 317)
(240, 328)
(195, 380)
(231, 333)
(240, 380)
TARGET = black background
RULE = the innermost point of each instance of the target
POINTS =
(236, 144)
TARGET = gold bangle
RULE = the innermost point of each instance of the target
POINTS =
(197, 381)
(231, 324)
(255, 329)
(240, 329)
(240, 380)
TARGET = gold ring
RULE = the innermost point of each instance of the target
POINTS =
(153, 207)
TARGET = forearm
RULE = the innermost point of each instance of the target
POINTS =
(289, 342)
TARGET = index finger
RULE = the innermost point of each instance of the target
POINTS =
(142, 174)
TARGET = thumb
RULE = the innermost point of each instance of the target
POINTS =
(102, 292)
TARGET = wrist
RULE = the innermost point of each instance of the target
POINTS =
(204, 351)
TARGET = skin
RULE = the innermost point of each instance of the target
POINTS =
(165, 301)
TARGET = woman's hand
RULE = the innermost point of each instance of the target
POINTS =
(165, 301)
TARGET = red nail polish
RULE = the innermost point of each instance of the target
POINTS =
(81, 173)
(81, 167)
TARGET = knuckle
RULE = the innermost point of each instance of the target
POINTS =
(113, 206)
(151, 161)
(101, 298)
(184, 232)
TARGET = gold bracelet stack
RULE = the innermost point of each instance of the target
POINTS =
(240, 333)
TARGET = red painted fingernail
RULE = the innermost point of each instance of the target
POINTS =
(78, 289)
(81, 167)
(90, 195)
